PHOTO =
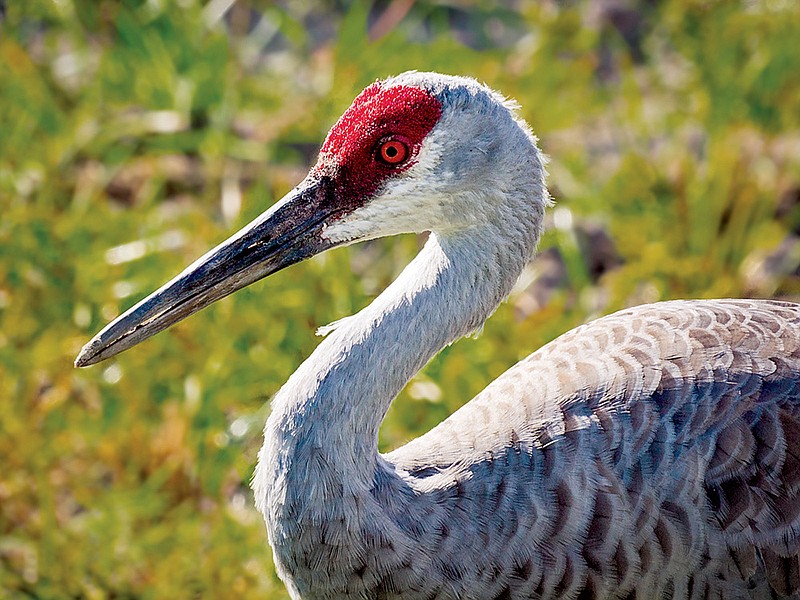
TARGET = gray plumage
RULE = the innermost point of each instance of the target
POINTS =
(648, 454)
(645, 453)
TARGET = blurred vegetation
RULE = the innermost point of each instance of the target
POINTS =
(134, 135)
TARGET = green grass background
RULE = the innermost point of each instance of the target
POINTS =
(135, 135)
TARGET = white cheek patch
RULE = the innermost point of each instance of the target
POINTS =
(390, 213)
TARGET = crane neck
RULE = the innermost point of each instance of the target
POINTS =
(320, 461)
(323, 428)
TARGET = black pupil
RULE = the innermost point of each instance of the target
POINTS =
(391, 151)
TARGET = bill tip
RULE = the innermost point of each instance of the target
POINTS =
(86, 356)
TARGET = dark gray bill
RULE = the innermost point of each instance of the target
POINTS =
(287, 233)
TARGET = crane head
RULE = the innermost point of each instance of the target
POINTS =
(412, 153)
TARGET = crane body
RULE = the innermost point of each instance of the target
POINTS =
(652, 453)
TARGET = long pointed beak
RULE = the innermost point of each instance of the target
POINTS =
(287, 233)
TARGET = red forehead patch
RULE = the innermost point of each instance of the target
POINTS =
(349, 154)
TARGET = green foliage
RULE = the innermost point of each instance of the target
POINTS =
(135, 135)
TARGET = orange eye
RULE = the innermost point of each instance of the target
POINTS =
(393, 152)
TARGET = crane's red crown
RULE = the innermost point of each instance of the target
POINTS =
(351, 154)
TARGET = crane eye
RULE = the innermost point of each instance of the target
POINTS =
(392, 152)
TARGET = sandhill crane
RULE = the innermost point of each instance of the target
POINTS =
(652, 453)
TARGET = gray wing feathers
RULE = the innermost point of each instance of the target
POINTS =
(665, 440)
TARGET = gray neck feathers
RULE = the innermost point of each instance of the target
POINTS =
(320, 453)
(339, 396)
